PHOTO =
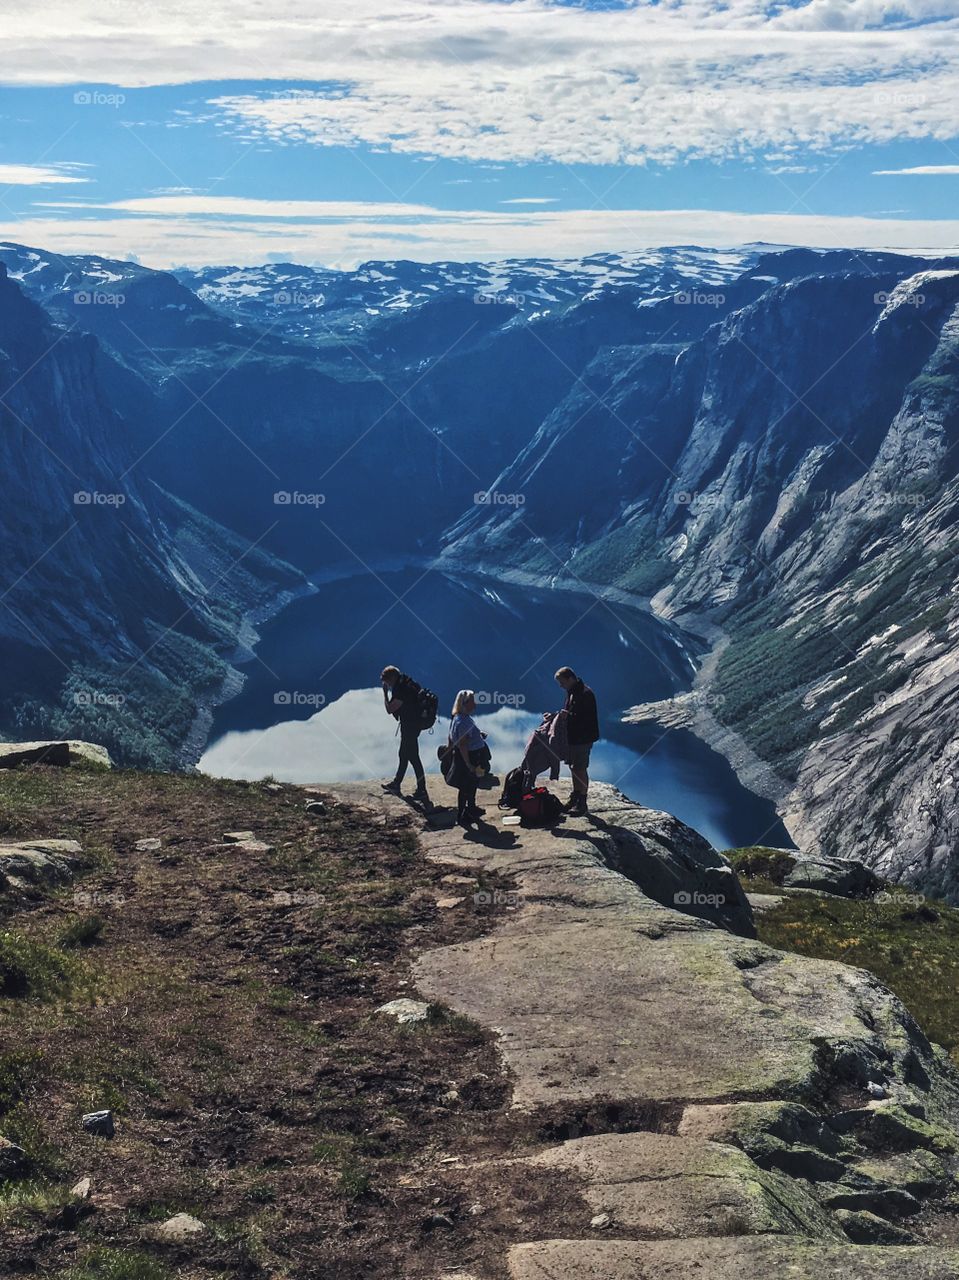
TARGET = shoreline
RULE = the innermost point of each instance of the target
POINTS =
(244, 651)
(699, 640)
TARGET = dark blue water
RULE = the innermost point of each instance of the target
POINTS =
(311, 709)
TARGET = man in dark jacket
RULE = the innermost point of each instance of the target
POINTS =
(582, 730)
(401, 697)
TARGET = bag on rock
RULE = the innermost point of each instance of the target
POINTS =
(539, 808)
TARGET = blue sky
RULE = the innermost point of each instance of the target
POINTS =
(477, 128)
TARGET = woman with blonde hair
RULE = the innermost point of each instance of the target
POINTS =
(467, 747)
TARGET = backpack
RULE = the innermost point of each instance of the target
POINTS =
(515, 786)
(425, 703)
(539, 808)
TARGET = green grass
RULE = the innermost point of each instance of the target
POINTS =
(912, 945)
(83, 932)
(29, 968)
(104, 1263)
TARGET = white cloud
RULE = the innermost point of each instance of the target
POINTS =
(933, 169)
(530, 80)
(37, 175)
(250, 207)
(531, 200)
(361, 232)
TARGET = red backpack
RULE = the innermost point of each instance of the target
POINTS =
(539, 808)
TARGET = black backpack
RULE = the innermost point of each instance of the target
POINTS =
(515, 785)
(427, 705)
(423, 703)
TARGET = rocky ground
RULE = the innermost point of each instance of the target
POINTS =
(604, 1074)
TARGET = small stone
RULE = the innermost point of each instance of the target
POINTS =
(179, 1229)
(250, 846)
(404, 1010)
(316, 807)
(99, 1123)
(14, 1161)
(273, 786)
(447, 904)
(876, 1090)
(148, 845)
(601, 1222)
(82, 1189)
(237, 837)
(451, 879)
(435, 1220)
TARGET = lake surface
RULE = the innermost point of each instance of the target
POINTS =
(311, 709)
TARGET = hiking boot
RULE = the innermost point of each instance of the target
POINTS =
(392, 787)
(422, 796)
(572, 803)
(577, 806)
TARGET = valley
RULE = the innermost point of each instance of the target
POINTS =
(759, 444)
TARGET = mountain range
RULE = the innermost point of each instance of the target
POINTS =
(758, 442)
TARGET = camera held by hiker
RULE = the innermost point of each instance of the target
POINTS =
(582, 730)
(415, 709)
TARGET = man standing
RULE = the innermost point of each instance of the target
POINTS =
(582, 730)
(401, 698)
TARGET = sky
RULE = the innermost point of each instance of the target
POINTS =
(232, 131)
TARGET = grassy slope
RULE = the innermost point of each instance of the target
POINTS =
(910, 942)
(222, 1005)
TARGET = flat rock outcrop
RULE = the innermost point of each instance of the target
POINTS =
(64, 752)
(718, 1104)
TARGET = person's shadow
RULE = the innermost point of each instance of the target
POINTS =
(491, 837)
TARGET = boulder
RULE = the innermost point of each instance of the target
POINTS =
(99, 1123)
(14, 1161)
(663, 1186)
(45, 863)
(61, 753)
(845, 877)
(406, 1011)
(750, 1258)
(180, 1229)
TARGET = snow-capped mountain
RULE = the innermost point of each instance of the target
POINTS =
(313, 303)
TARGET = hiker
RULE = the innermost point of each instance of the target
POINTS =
(582, 730)
(469, 751)
(401, 698)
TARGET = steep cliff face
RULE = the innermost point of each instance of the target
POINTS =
(118, 599)
(789, 478)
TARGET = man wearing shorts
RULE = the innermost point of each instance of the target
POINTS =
(582, 730)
